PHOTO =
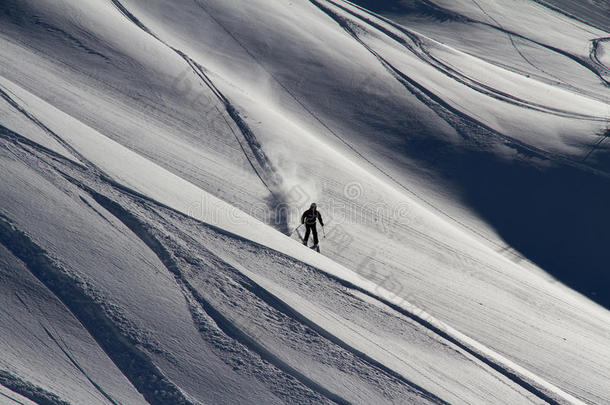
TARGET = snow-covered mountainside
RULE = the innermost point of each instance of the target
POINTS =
(156, 156)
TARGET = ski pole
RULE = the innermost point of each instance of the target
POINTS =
(323, 231)
(295, 229)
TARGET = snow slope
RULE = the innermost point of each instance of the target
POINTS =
(156, 155)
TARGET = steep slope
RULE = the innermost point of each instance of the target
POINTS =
(156, 153)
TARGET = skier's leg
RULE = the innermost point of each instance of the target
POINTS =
(307, 230)
(315, 234)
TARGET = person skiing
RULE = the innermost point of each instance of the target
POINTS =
(309, 218)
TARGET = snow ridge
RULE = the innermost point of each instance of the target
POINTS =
(28, 390)
(133, 362)
(221, 321)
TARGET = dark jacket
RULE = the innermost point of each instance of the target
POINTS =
(309, 217)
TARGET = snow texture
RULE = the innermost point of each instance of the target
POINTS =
(156, 157)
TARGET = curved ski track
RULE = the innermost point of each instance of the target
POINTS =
(256, 156)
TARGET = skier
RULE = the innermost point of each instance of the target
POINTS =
(309, 218)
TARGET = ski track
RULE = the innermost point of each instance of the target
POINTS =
(230, 329)
(597, 145)
(77, 43)
(17, 139)
(276, 302)
(11, 398)
(75, 363)
(583, 62)
(511, 39)
(40, 125)
(604, 69)
(570, 15)
(264, 168)
(132, 361)
(448, 113)
(591, 66)
(424, 54)
(64, 348)
(596, 67)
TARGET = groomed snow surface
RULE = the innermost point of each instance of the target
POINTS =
(157, 154)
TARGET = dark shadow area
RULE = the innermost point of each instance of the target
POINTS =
(402, 8)
(558, 216)
(389, 6)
